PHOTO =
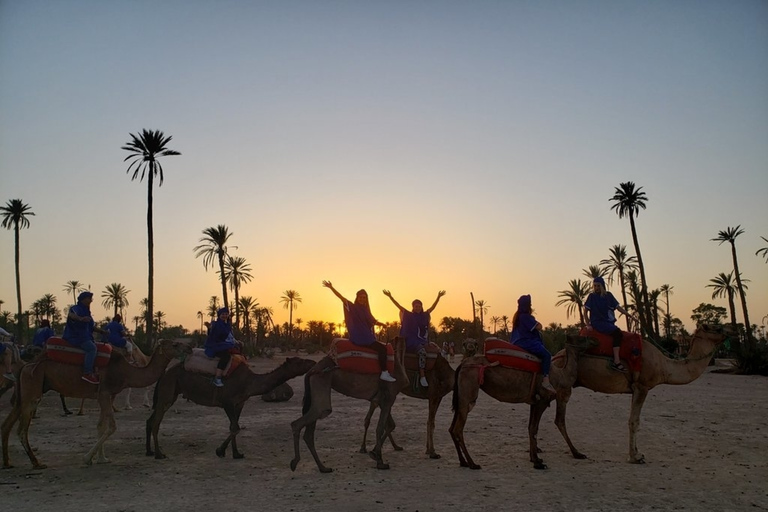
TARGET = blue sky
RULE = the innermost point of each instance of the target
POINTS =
(413, 146)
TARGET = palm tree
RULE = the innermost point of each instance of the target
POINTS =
(160, 320)
(495, 321)
(236, 273)
(619, 263)
(594, 271)
(16, 216)
(145, 149)
(505, 323)
(482, 308)
(73, 287)
(653, 296)
(214, 247)
(201, 316)
(763, 251)
(628, 201)
(729, 235)
(115, 296)
(723, 286)
(667, 291)
(213, 307)
(249, 306)
(290, 299)
(136, 321)
(573, 298)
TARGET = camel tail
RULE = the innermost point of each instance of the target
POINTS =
(307, 402)
(455, 398)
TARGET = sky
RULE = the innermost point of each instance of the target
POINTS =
(414, 146)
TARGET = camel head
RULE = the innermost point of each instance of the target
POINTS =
(469, 347)
(298, 365)
(173, 349)
(716, 333)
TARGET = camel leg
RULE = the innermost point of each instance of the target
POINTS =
(390, 428)
(233, 413)
(464, 398)
(67, 412)
(81, 411)
(8, 424)
(162, 405)
(147, 402)
(236, 454)
(534, 418)
(434, 403)
(638, 399)
(366, 424)
(25, 418)
(106, 427)
(562, 403)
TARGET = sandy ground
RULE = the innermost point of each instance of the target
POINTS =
(705, 445)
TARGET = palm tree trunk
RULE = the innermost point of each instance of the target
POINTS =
(747, 325)
(624, 297)
(19, 329)
(644, 310)
(151, 263)
(732, 307)
(223, 280)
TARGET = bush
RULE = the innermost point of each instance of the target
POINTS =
(751, 359)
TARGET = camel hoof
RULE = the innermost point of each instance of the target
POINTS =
(294, 463)
(221, 453)
(67, 413)
(103, 461)
(474, 466)
(363, 450)
(326, 470)
(160, 456)
(374, 455)
(7, 466)
(238, 455)
(382, 465)
(43, 466)
(639, 460)
(397, 448)
(81, 414)
(539, 465)
(434, 456)
(579, 455)
(149, 453)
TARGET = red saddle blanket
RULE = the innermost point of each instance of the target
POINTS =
(201, 363)
(510, 356)
(631, 349)
(412, 359)
(357, 359)
(56, 349)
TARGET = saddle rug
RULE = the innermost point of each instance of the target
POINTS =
(56, 349)
(510, 356)
(412, 359)
(198, 362)
(631, 349)
(358, 359)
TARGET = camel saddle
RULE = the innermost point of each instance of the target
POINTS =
(198, 362)
(631, 349)
(412, 359)
(359, 359)
(56, 349)
(510, 356)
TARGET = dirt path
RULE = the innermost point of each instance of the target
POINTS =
(706, 446)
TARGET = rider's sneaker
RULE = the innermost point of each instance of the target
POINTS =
(11, 377)
(90, 378)
(385, 376)
(217, 382)
(423, 382)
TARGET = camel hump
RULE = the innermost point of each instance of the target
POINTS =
(198, 362)
(412, 358)
(57, 349)
(631, 349)
(508, 355)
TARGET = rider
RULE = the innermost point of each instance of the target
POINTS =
(415, 329)
(42, 334)
(219, 342)
(599, 314)
(78, 332)
(526, 335)
(118, 335)
(360, 323)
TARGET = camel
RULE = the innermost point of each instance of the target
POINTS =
(323, 377)
(238, 388)
(44, 374)
(593, 373)
(30, 353)
(511, 386)
(139, 359)
(440, 379)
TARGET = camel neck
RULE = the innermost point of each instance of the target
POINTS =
(143, 376)
(683, 371)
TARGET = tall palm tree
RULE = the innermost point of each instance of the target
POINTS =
(214, 248)
(594, 271)
(495, 321)
(115, 296)
(505, 323)
(667, 291)
(619, 263)
(160, 320)
(729, 235)
(201, 316)
(724, 286)
(290, 300)
(573, 298)
(653, 296)
(763, 251)
(16, 217)
(145, 149)
(250, 307)
(628, 201)
(213, 307)
(48, 305)
(237, 272)
(73, 287)
(482, 308)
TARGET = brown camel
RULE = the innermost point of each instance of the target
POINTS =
(511, 386)
(139, 359)
(29, 355)
(238, 388)
(323, 377)
(440, 379)
(593, 373)
(44, 374)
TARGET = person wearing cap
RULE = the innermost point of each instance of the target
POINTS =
(526, 334)
(360, 323)
(414, 327)
(78, 332)
(599, 313)
(219, 343)
(42, 334)
(117, 335)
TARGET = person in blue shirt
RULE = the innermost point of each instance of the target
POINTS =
(219, 343)
(7, 358)
(117, 335)
(599, 313)
(78, 332)
(42, 334)
(360, 323)
(414, 327)
(526, 334)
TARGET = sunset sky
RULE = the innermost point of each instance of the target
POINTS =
(407, 145)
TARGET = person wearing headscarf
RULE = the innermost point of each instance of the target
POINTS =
(118, 335)
(219, 343)
(360, 323)
(43, 333)
(414, 327)
(599, 313)
(78, 332)
(526, 334)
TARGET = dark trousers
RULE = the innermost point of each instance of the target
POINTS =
(380, 349)
(224, 357)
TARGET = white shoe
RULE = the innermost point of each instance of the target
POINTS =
(11, 377)
(385, 376)
(423, 382)
(548, 387)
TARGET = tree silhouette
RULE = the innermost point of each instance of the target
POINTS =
(290, 299)
(237, 272)
(619, 263)
(214, 247)
(573, 298)
(729, 235)
(15, 216)
(724, 286)
(115, 296)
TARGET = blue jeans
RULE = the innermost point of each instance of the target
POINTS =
(90, 355)
(538, 349)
